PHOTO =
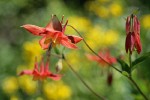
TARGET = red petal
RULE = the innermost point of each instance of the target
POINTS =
(91, 57)
(74, 39)
(55, 76)
(42, 67)
(138, 45)
(43, 44)
(46, 70)
(136, 25)
(130, 40)
(128, 25)
(66, 43)
(27, 72)
(35, 30)
(54, 24)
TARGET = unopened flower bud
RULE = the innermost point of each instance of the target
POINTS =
(59, 66)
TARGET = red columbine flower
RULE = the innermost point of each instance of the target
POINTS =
(105, 55)
(53, 33)
(133, 34)
(42, 73)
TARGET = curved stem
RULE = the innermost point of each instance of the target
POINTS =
(129, 77)
(99, 96)
(138, 88)
(94, 51)
(130, 62)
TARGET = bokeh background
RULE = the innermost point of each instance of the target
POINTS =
(102, 24)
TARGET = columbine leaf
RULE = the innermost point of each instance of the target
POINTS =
(125, 73)
(124, 65)
(140, 59)
(56, 50)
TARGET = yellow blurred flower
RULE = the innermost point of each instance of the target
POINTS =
(102, 11)
(74, 58)
(57, 90)
(94, 38)
(27, 84)
(80, 23)
(10, 85)
(146, 21)
(14, 98)
(97, 38)
(115, 9)
(31, 49)
(39, 98)
(99, 9)
(110, 37)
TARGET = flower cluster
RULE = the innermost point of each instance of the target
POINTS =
(52, 35)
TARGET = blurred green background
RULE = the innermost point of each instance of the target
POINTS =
(101, 22)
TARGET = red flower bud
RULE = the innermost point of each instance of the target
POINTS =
(133, 34)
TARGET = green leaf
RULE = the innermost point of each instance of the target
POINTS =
(56, 50)
(140, 59)
(124, 65)
(125, 73)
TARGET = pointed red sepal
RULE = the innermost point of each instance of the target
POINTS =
(54, 24)
(74, 39)
(66, 43)
(130, 41)
(43, 44)
(28, 72)
(35, 30)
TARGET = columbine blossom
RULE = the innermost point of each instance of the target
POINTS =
(42, 73)
(105, 55)
(133, 34)
(53, 33)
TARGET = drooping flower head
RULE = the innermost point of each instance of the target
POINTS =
(105, 55)
(133, 34)
(53, 33)
(41, 73)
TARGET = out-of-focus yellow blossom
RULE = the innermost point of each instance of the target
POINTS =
(115, 9)
(27, 84)
(31, 49)
(94, 38)
(102, 11)
(10, 85)
(98, 9)
(74, 58)
(57, 90)
(14, 98)
(146, 21)
(97, 38)
(110, 37)
(82, 24)
(39, 98)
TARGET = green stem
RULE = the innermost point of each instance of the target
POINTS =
(85, 84)
(130, 61)
(138, 88)
(131, 79)
(94, 51)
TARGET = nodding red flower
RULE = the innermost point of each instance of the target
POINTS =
(53, 33)
(41, 73)
(133, 34)
(105, 55)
